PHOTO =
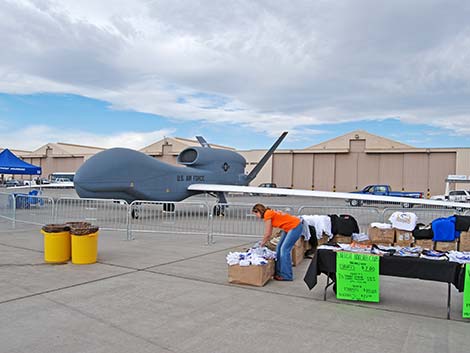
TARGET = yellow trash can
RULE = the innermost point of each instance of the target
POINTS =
(56, 243)
(84, 245)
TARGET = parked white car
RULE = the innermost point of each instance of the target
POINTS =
(454, 196)
(61, 180)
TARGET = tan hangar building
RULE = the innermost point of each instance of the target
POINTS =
(356, 159)
(345, 163)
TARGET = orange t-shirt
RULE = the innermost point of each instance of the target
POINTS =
(281, 220)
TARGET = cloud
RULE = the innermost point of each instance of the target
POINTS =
(269, 66)
(34, 136)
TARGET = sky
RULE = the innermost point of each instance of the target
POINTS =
(128, 73)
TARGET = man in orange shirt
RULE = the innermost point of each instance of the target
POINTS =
(292, 230)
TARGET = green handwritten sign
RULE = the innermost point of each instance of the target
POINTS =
(466, 293)
(357, 276)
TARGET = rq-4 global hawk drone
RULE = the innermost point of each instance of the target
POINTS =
(121, 173)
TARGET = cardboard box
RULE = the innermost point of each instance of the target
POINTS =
(381, 236)
(307, 245)
(425, 243)
(446, 245)
(251, 275)
(323, 239)
(298, 252)
(403, 238)
(464, 243)
(365, 242)
(339, 238)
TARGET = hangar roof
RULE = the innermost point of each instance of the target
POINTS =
(61, 149)
(19, 153)
(175, 146)
(373, 142)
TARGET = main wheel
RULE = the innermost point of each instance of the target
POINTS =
(355, 203)
(218, 210)
(135, 214)
(169, 207)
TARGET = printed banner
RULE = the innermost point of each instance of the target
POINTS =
(466, 293)
(357, 277)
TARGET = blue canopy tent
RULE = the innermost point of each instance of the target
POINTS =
(11, 164)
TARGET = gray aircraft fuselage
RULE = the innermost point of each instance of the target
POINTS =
(121, 173)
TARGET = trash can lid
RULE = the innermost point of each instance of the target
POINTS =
(84, 230)
(55, 228)
(78, 224)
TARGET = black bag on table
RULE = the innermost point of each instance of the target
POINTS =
(313, 237)
(343, 224)
(423, 231)
(462, 223)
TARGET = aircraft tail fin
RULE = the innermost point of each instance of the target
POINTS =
(265, 158)
(203, 142)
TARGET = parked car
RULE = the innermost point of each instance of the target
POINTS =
(13, 182)
(267, 185)
(383, 190)
(264, 185)
(42, 181)
(61, 180)
(454, 196)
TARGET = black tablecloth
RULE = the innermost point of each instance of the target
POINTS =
(324, 261)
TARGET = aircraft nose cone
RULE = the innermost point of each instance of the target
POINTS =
(99, 171)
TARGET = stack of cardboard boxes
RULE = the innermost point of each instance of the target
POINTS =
(464, 243)
(298, 251)
(424, 243)
(403, 238)
(381, 236)
(446, 245)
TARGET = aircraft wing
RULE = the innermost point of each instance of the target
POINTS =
(64, 185)
(327, 194)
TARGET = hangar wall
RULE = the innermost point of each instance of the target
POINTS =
(351, 165)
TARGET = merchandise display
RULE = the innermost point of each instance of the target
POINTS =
(254, 256)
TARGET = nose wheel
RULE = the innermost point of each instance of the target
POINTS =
(219, 210)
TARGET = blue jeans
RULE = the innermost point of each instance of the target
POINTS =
(283, 252)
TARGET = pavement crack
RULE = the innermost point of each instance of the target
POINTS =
(110, 324)
(65, 287)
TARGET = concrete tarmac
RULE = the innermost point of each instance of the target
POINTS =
(169, 293)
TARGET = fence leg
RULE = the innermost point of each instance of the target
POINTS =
(210, 234)
(128, 223)
(13, 223)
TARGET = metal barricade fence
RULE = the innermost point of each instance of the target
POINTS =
(363, 215)
(7, 206)
(233, 219)
(107, 214)
(169, 217)
(238, 220)
(33, 209)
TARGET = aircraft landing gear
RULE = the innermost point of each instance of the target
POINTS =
(219, 210)
(135, 214)
(169, 207)
(355, 203)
